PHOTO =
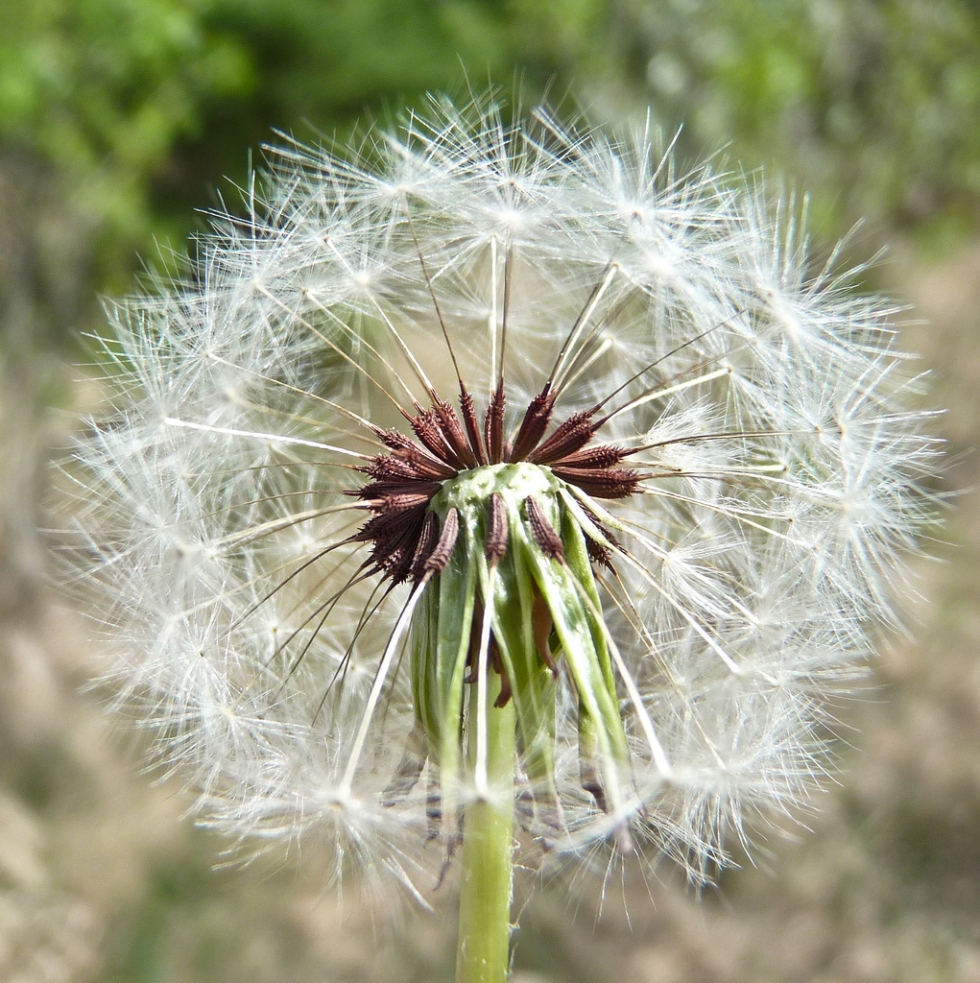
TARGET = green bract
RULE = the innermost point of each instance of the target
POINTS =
(519, 615)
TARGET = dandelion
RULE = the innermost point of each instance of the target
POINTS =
(497, 480)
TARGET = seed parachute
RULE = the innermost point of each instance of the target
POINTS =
(499, 464)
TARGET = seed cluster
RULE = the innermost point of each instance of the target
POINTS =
(659, 558)
(404, 532)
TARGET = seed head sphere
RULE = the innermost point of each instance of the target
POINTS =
(518, 411)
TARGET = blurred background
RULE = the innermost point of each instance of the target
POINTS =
(121, 119)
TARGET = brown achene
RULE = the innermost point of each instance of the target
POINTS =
(405, 478)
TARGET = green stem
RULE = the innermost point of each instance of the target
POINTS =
(482, 955)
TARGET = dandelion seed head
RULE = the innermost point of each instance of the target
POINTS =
(498, 407)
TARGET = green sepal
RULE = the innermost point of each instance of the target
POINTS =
(569, 589)
(449, 617)
(440, 644)
(532, 683)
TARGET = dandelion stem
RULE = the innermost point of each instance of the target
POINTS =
(482, 954)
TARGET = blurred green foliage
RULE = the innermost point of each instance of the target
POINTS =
(101, 91)
(135, 104)
(134, 109)
(872, 104)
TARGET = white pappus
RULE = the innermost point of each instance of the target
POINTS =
(484, 415)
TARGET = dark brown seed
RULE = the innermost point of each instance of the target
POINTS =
(393, 439)
(472, 429)
(597, 522)
(408, 467)
(600, 456)
(600, 555)
(410, 461)
(599, 482)
(385, 467)
(405, 537)
(496, 544)
(395, 538)
(392, 489)
(426, 465)
(406, 500)
(425, 547)
(533, 426)
(390, 524)
(568, 437)
(393, 554)
(452, 431)
(493, 425)
(426, 426)
(443, 552)
(542, 530)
